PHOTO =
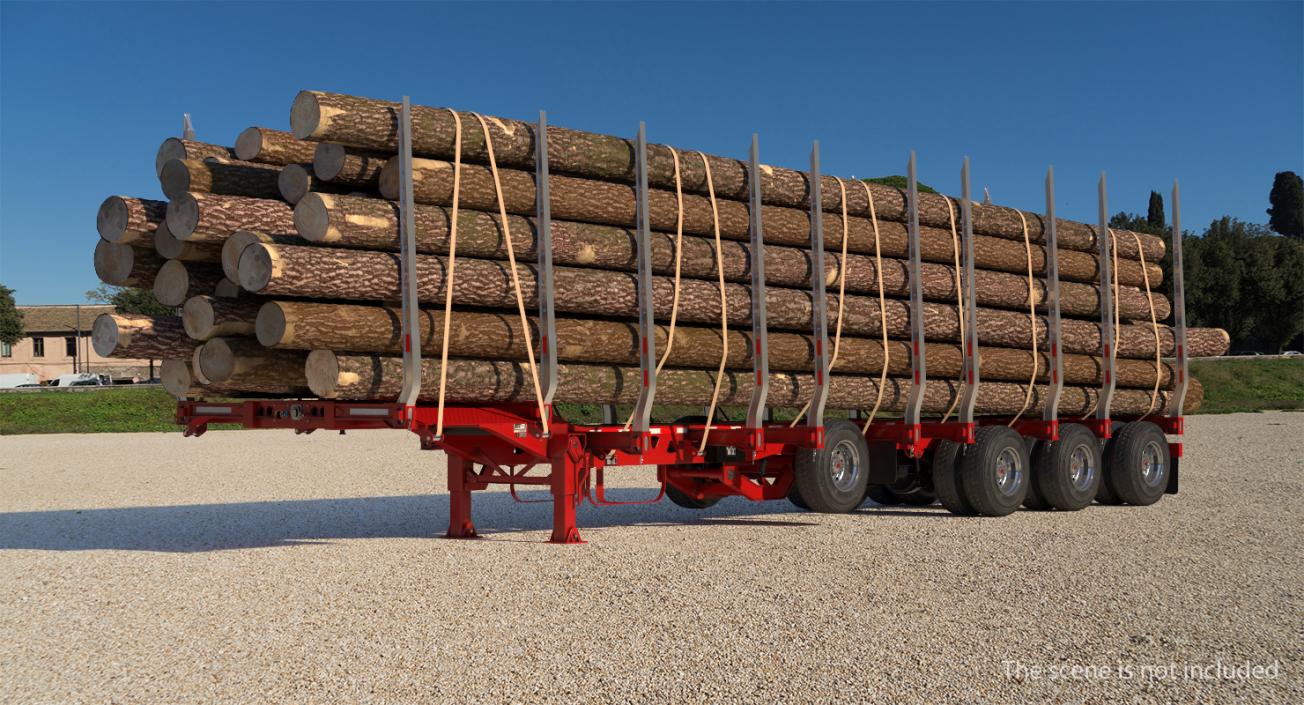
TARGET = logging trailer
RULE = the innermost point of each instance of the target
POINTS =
(974, 465)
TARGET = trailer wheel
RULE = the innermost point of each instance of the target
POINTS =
(687, 501)
(1137, 463)
(1066, 474)
(946, 478)
(1034, 501)
(794, 496)
(994, 472)
(833, 479)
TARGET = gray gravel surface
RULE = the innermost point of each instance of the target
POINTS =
(267, 567)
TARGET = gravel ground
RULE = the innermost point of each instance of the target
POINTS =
(268, 567)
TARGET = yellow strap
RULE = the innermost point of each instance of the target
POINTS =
(959, 299)
(1154, 325)
(724, 305)
(516, 276)
(1032, 321)
(842, 294)
(452, 261)
(882, 307)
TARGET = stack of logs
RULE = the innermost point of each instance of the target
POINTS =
(281, 254)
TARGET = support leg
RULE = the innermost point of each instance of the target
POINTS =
(459, 500)
(565, 493)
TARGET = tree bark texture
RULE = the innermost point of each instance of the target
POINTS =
(229, 177)
(337, 164)
(206, 317)
(126, 265)
(373, 124)
(296, 181)
(375, 377)
(267, 146)
(241, 363)
(208, 217)
(373, 224)
(329, 273)
(134, 336)
(608, 203)
(235, 244)
(305, 325)
(126, 220)
(168, 247)
(180, 379)
(177, 148)
(177, 281)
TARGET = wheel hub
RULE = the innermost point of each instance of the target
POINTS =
(1009, 472)
(1152, 464)
(844, 466)
(1081, 470)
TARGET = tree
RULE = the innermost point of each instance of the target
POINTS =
(1286, 215)
(11, 322)
(129, 299)
(1155, 213)
(899, 182)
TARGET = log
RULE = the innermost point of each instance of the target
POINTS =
(305, 325)
(335, 163)
(125, 220)
(365, 223)
(226, 289)
(241, 363)
(208, 217)
(206, 317)
(335, 376)
(267, 146)
(177, 148)
(296, 181)
(134, 336)
(373, 124)
(328, 273)
(180, 379)
(125, 265)
(235, 244)
(222, 176)
(168, 247)
(177, 281)
(607, 203)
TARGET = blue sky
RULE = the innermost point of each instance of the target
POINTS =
(1212, 93)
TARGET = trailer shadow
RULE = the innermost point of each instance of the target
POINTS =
(217, 527)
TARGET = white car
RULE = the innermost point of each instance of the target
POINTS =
(81, 379)
(14, 381)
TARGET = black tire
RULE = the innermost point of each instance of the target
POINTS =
(882, 494)
(1066, 474)
(687, 501)
(833, 479)
(1034, 501)
(946, 478)
(915, 497)
(1137, 463)
(795, 497)
(994, 471)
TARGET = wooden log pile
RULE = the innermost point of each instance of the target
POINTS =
(281, 255)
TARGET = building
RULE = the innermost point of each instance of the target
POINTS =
(58, 342)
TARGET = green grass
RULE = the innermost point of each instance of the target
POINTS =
(1250, 384)
(91, 411)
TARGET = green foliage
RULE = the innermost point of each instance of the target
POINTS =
(900, 182)
(11, 322)
(1155, 212)
(1250, 384)
(129, 299)
(1286, 215)
(90, 411)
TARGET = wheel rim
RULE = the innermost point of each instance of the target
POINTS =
(844, 466)
(1082, 470)
(1009, 472)
(1152, 464)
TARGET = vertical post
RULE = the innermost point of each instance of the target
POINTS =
(970, 374)
(565, 497)
(819, 298)
(460, 525)
(918, 363)
(408, 267)
(1051, 410)
(646, 333)
(760, 336)
(1178, 397)
(543, 230)
(1106, 307)
(187, 130)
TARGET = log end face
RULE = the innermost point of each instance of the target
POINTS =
(305, 115)
(172, 283)
(257, 266)
(167, 246)
(389, 179)
(111, 219)
(183, 216)
(249, 144)
(172, 148)
(294, 183)
(328, 160)
(312, 218)
(323, 372)
(270, 326)
(176, 378)
(105, 334)
(216, 360)
(197, 317)
(226, 289)
(114, 262)
(175, 178)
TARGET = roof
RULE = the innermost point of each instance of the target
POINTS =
(60, 319)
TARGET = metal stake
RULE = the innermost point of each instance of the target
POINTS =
(915, 401)
(408, 266)
(647, 341)
(1051, 411)
(1106, 307)
(760, 337)
(970, 372)
(543, 230)
(1178, 397)
(819, 299)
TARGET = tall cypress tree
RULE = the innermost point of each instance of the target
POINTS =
(1155, 215)
(1286, 215)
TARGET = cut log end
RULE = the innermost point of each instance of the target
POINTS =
(167, 246)
(328, 160)
(172, 148)
(183, 216)
(175, 178)
(104, 334)
(294, 183)
(257, 266)
(114, 262)
(232, 248)
(270, 326)
(172, 283)
(197, 317)
(176, 378)
(111, 220)
(217, 360)
(323, 372)
(312, 219)
(226, 289)
(388, 184)
(305, 115)
(249, 144)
